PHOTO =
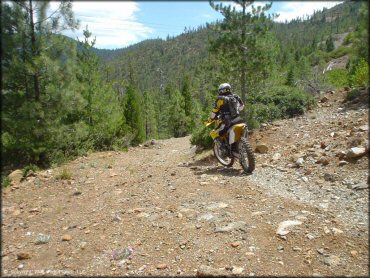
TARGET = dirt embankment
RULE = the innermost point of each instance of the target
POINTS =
(161, 209)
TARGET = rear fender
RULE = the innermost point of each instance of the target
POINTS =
(236, 132)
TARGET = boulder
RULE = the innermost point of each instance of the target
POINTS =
(205, 270)
(282, 230)
(16, 176)
(356, 152)
(261, 148)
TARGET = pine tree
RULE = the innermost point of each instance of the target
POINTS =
(188, 104)
(177, 118)
(290, 77)
(36, 76)
(150, 117)
(237, 39)
(329, 44)
(133, 113)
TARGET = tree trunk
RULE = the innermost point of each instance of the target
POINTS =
(33, 49)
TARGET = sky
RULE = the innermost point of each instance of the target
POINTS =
(118, 24)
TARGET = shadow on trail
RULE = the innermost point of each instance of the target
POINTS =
(219, 170)
(210, 166)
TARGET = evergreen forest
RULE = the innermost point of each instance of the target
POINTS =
(63, 98)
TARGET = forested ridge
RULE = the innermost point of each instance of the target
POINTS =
(62, 98)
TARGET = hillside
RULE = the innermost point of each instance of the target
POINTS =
(161, 209)
(188, 53)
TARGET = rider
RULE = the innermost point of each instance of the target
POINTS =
(228, 107)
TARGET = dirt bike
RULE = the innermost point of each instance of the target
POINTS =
(233, 145)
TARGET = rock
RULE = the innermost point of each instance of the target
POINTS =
(162, 266)
(205, 270)
(237, 270)
(354, 253)
(207, 217)
(336, 231)
(329, 177)
(83, 245)
(239, 225)
(358, 186)
(323, 160)
(324, 99)
(310, 237)
(356, 152)
(235, 244)
(42, 239)
(23, 256)
(21, 266)
(331, 260)
(276, 156)
(16, 176)
(299, 162)
(283, 226)
(214, 206)
(363, 128)
(343, 162)
(31, 174)
(261, 148)
(66, 237)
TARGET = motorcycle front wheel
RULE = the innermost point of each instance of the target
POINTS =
(222, 154)
(247, 158)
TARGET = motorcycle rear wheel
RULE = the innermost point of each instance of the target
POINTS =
(247, 158)
(223, 158)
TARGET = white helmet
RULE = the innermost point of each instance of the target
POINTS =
(224, 88)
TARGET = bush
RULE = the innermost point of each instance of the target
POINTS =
(348, 39)
(339, 52)
(338, 77)
(5, 181)
(64, 175)
(201, 137)
(28, 168)
(282, 101)
(360, 77)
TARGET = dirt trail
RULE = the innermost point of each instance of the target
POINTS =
(183, 214)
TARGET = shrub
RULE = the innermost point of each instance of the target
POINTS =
(201, 137)
(28, 168)
(288, 101)
(360, 77)
(338, 77)
(348, 39)
(339, 52)
(64, 175)
(5, 181)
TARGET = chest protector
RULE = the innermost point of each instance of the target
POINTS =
(230, 106)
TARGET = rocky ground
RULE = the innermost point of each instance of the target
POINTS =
(161, 209)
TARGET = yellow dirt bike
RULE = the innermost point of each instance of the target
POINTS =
(234, 144)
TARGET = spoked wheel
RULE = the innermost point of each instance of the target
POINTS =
(247, 158)
(222, 154)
